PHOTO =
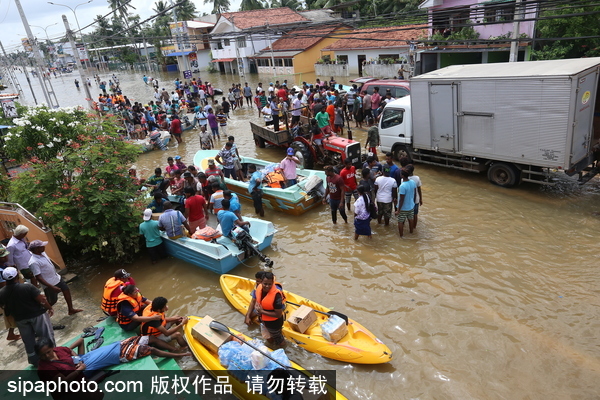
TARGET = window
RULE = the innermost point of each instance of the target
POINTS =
(279, 62)
(263, 62)
(241, 41)
(504, 12)
(389, 56)
(391, 117)
(288, 62)
(216, 45)
(342, 59)
(226, 42)
(450, 20)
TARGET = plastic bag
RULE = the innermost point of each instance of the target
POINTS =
(265, 332)
(259, 361)
(334, 329)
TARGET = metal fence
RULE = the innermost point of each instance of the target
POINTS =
(138, 67)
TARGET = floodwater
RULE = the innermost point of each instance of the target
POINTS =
(495, 296)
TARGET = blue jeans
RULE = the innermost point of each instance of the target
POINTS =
(215, 131)
(335, 207)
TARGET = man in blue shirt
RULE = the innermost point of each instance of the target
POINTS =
(406, 203)
(229, 220)
(171, 221)
(234, 203)
(255, 189)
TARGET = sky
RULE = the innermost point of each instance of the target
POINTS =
(41, 14)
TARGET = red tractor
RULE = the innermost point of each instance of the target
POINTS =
(336, 148)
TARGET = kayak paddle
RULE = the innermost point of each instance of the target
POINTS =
(217, 326)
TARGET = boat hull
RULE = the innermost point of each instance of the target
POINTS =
(359, 346)
(210, 362)
(293, 200)
(223, 256)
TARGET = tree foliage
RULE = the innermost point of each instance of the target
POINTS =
(84, 193)
(573, 26)
(219, 6)
(247, 5)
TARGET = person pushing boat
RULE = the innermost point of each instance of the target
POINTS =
(270, 303)
(259, 276)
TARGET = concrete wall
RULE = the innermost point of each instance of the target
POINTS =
(369, 54)
(383, 70)
(334, 70)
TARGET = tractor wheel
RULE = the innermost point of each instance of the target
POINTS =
(503, 174)
(260, 142)
(303, 154)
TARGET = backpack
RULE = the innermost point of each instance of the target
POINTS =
(371, 207)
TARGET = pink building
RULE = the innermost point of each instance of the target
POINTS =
(492, 20)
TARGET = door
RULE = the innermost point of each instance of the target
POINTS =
(442, 114)
(584, 113)
(361, 58)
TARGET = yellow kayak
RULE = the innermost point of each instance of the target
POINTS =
(359, 346)
(210, 362)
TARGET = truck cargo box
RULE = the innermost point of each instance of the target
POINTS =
(537, 113)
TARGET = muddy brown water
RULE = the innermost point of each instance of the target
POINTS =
(495, 296)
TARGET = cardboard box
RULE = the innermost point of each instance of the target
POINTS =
(301, 319)
(210, 338)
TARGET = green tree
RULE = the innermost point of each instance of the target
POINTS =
(247, 5)
(582, 25)
(85, 194)
(186, 11)
(219, 6)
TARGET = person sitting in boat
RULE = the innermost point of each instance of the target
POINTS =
(259, 276)
(157, 205)
(112, 289)
(171, 221)
(67, 365)
(166, 329)
(270, 303)
(234, 203)
(229, 220)
(130, 306)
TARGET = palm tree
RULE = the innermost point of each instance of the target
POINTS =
(293, 4)
(186, 11)
(219, 6)
(251, 5)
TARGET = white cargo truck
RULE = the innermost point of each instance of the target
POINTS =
(519, 122)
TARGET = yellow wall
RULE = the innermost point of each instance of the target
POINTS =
(305, 61)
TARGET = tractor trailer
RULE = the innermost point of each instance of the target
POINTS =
(517, 122)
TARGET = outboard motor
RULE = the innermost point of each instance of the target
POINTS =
(244, 242)
(314, 187)
(156, 140)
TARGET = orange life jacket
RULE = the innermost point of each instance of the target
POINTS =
(109, 302)
(275, 179)
(268, 302)
(150, 330)
(135, 303)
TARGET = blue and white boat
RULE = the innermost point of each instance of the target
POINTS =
(222, 255)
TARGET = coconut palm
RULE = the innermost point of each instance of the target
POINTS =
(251, 5)
(293, 4)
(219, 6)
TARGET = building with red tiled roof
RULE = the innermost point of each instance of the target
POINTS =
(371, 44)
(237, 36)
(298, 50)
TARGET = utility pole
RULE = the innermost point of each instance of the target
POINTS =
(271, 47)
(11, 73)
(82, 72)
(514, 45)
(48, 92)
(179, 40)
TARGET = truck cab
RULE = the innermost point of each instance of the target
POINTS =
(395, 127)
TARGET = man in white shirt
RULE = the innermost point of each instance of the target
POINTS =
(19, 255)
(45, 273)
(267, 114)
(260, 89)
(386, 192)
(296, 109)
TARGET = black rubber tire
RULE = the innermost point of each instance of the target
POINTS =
(503, 174)
(400, 151)
(303, 154)
(260, 142)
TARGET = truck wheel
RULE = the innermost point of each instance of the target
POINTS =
(399, 152)
(303, 154)
(260, 142)
(503, 174)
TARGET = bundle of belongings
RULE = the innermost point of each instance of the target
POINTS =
(207, 233)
